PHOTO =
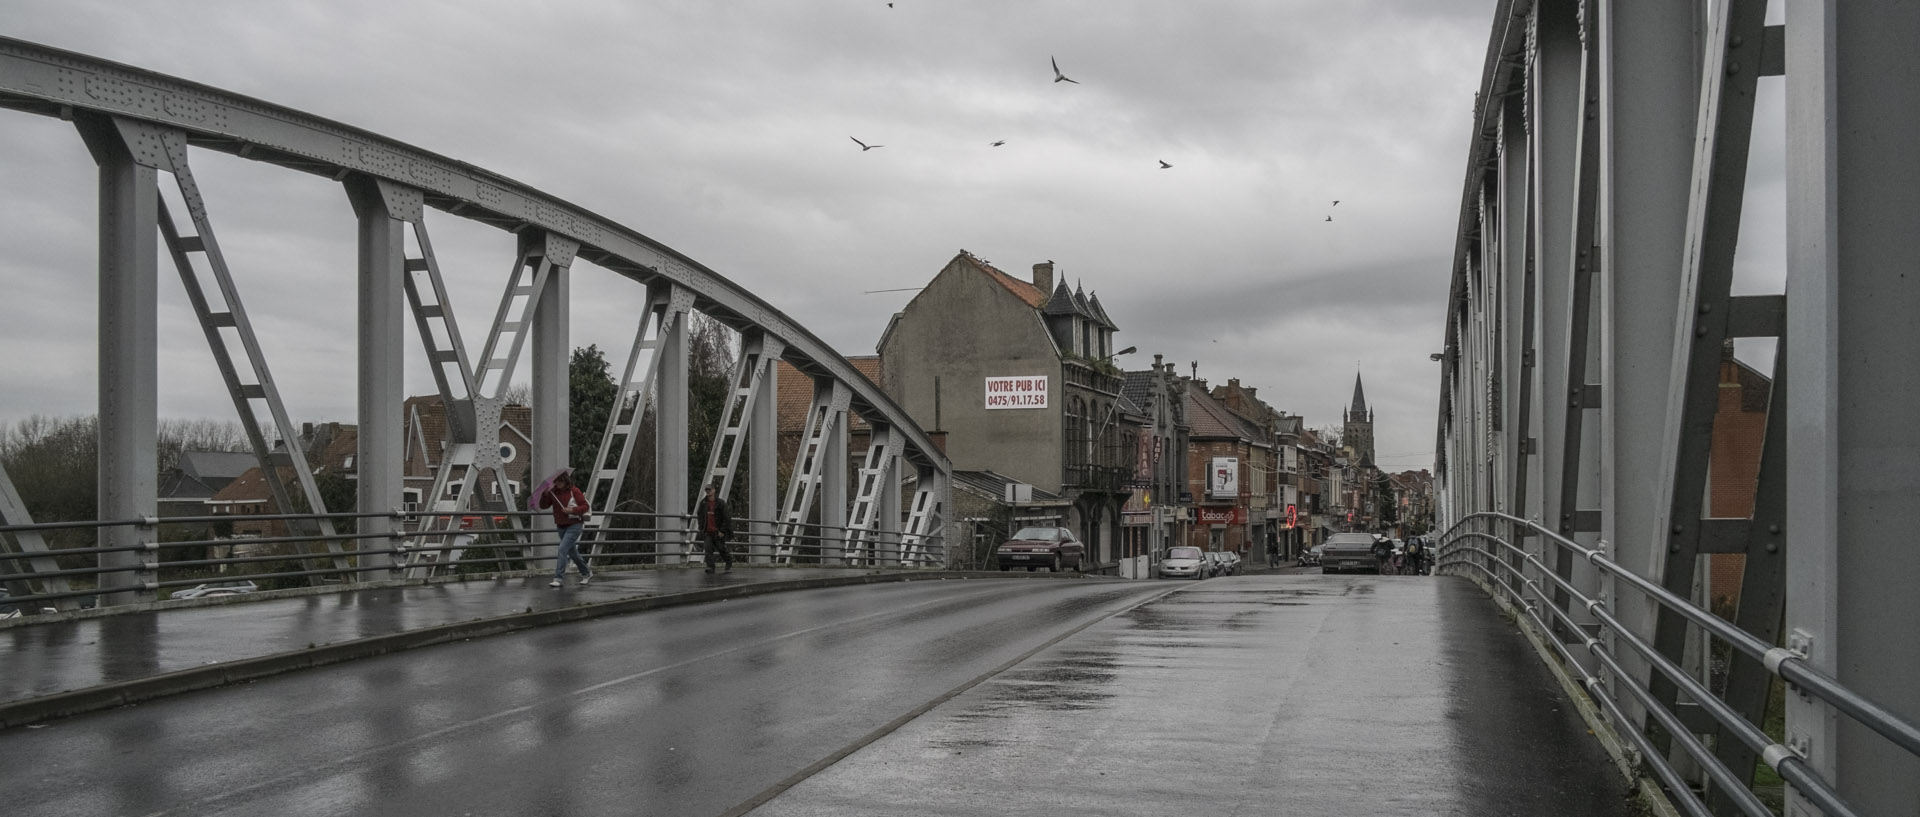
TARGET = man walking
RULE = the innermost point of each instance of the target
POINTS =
(716, 527)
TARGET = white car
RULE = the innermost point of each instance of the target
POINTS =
(216, 589)
(1184, 563)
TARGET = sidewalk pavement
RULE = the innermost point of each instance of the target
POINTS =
(66, 664)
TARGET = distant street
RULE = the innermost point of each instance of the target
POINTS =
(1255, 694)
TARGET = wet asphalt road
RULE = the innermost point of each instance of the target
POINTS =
(1247, 695)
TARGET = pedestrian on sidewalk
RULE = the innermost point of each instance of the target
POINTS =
(716, 527)
(570, 514)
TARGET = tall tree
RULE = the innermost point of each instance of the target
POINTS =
(590, 396)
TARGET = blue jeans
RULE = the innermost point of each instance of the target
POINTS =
(569, 549)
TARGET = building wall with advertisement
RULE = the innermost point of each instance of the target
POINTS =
(970, 356)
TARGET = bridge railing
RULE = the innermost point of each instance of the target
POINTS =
(492, 543)
(1482, 547)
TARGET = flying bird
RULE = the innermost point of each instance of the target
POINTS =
(998, 143)
(1059, 77)
(1164, 165)
(1329, 218)
(864, 147)
(1336, 202)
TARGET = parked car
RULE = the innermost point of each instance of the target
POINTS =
(1033, 548)
(1348, 551)
(1311, 556)
(1222, 563)
(1184, 563)
(215, 590)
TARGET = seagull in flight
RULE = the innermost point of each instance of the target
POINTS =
(998, 143)
(1329, 218)
(1164, 165)
(1336, 202)
(1059, 77)
(864, 147)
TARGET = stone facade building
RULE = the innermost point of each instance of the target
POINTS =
(1019, 376)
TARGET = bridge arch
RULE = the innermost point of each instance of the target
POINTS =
(140, 127)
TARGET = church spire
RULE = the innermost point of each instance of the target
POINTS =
(1359, 410)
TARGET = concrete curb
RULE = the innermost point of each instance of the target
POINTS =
(126, 693)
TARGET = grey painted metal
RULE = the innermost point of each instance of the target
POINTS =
(384, 212)
(128, 344)
(809, 467)
(746, 387)
(834, 479)
(52, 82)
(1700, 327)
(1814, 315)
(1576, 352)
(1851, 298)
(31, 547)
(864, 525)
(1649, 52)
(552, 389)
(250, 399)
(1557, 94)
(763, 453)
(666, 306)
(671, 494)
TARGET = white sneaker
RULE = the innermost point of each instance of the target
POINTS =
(586, 578)
(554, 583)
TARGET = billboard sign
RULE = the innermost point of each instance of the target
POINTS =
(1223, 478)
(1021, 392)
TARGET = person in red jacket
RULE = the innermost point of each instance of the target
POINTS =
(710, 517)
(570, 517)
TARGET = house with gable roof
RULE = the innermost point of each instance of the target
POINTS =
(1019, 376)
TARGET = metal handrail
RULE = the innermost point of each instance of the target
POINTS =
(1791, 767)
(1787, 664)
(1776, 754)
(816, 540)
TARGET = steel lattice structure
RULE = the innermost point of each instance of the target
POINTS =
(141, 128)
(1591, 300)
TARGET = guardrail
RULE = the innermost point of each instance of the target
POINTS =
(497, 542)
(1501, 564)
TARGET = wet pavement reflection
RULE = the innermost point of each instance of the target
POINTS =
(1249, 695)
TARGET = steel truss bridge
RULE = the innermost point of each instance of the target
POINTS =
(144, 129)
(1593, 293)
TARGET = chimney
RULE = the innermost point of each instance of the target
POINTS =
(1043, 277)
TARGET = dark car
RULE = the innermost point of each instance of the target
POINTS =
(1033, 548)
(1348, 551)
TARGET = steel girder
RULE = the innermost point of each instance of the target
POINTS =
(1638, 176)
(52, 82)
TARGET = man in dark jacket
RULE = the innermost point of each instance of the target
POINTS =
(710, 517)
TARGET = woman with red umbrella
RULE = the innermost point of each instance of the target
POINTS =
(570, 517)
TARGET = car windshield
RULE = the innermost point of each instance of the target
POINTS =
(1037, 533)
(1184, 553)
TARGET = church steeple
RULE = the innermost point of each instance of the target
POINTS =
(1357, 430)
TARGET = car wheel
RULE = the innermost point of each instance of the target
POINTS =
(1005, 568)
(1031, 568)
(1055, 567)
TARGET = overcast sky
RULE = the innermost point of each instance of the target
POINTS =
(722, 129)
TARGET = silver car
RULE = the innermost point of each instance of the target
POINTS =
(1185, 563)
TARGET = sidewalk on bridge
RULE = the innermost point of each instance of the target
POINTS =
(81, 662)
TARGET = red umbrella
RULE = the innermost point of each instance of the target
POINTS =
(533, 499)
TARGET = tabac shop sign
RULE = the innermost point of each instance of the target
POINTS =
(1025, 392)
